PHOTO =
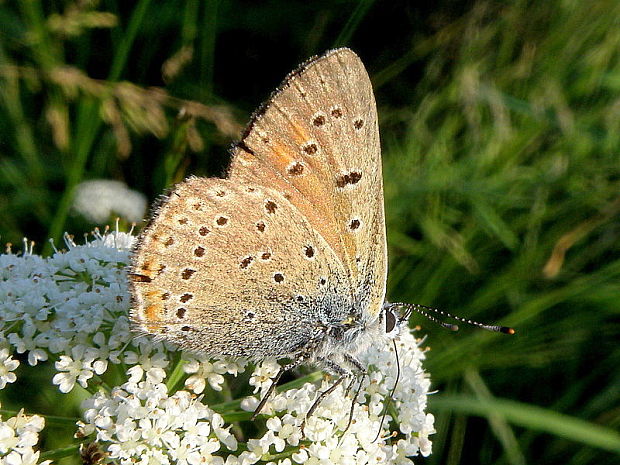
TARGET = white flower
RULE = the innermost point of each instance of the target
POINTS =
(73, 301)
(97, 200)
(204, 370)
(28, 457)
(263, 374)
(325, 427)
(8, 438)
(286, 429)
(150, 361)
(223, 432)
(80, 367)
(7, 365)
(18, 436)
(26, 343)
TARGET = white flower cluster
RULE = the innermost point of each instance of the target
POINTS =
(18, 436)
(71, 309)
(363, 442)
(142, 425)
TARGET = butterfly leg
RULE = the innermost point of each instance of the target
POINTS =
(343, 373)
(319, 399)
(274, 381)
(355, 363)
(360, 373)
(357, 392)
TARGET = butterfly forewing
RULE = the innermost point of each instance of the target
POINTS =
(317, 142)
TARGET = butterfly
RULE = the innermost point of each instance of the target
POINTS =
(286, 257)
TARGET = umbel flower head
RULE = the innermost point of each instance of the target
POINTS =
(71, 310)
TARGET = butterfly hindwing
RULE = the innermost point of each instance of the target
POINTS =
(219, 269)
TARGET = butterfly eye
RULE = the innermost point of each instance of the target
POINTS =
(390, 321)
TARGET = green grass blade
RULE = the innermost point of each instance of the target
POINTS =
(532, 417)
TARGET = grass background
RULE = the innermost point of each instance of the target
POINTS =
(500, 128)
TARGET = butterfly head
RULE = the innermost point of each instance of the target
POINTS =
(355, 333)
(394, 319)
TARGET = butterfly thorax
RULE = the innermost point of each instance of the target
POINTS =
(343, 340)
(353, 333)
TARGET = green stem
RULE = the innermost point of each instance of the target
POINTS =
(60, 453)
(177, 375)
(532, 417)
(354, 20)
(88, 125)
(282, 455)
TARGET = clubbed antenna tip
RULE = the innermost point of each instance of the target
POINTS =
(423, 310)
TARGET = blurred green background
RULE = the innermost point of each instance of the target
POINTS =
(500, 126)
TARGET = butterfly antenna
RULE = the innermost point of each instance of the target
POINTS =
(389, 399)
(424, 311)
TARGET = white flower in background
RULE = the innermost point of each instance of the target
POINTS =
(18, 436)
(72, 309)
(99, 199)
